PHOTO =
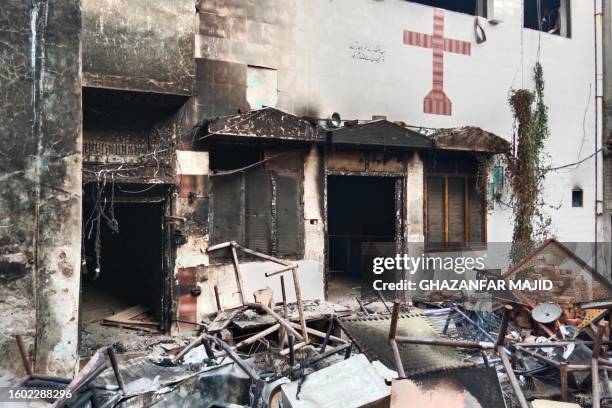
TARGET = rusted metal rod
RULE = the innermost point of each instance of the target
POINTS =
(260, 255)
(285, 269)
(257, 336)
(23, 351)
(219, 246)
(392, 332)
(298, 299)
(482, 345)
(113, 359)
(295, 347)
(217, 298)
(291, 351)
(230, 353)
(283, 333)
(540, 357)
(596, 397)
(279, 319)
(394, 319)
(512, 377)
(237, 270)
(563, 373)
(328, 333)
(398, 358)
(318, 333)
(563, 343)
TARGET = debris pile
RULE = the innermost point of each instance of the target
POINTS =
(271, 353)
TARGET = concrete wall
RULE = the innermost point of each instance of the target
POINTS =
(348, 56)
(40, 182)
(139, 45)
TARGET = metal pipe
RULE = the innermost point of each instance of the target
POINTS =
(563, 374)
(217, 298)
(291, 351)
(394, 319)
(279, 319)
(230, 353)
(595, 365)
(398, 358)
(512, 377)
(327, 334)
(115, 365)
(540, 357)
(24, 355)
(482, 345)
(285, 269)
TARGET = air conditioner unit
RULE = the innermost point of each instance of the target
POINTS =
(495, 11)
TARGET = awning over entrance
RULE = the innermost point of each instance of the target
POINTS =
(270, 124)
(379, 133)
(469, 139)
(261, 124)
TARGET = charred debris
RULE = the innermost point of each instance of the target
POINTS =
(269, 352)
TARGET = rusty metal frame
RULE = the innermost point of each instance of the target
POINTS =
(288, 266)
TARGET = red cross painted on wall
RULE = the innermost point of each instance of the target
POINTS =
(436, 102)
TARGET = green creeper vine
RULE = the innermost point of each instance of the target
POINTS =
(525, 171)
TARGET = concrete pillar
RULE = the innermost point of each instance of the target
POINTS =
(57, 165)
(415, 233)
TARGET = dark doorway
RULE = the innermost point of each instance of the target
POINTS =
(361, 214)
(129, 260)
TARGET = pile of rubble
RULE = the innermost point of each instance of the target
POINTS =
(317, 354)
(439, 354)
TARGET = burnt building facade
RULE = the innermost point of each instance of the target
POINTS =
(298, 130)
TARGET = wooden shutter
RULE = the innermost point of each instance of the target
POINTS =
(435, 210)
(456, 209)
(476, 212)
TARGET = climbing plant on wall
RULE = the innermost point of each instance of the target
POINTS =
(525, 168)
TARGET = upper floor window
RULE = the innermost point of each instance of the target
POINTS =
(549, 16)
(473, 7)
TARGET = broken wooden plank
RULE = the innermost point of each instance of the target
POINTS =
(131, 326)
(128, 313)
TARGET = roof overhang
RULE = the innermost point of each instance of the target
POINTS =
(261, 124)
(379, 133)
(470, 139)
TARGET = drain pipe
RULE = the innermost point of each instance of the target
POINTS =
(598, 30)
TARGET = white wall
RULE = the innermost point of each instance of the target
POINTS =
(320, 71)
(312, 45)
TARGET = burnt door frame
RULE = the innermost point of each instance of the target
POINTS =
(400, 215)
(167, 304)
